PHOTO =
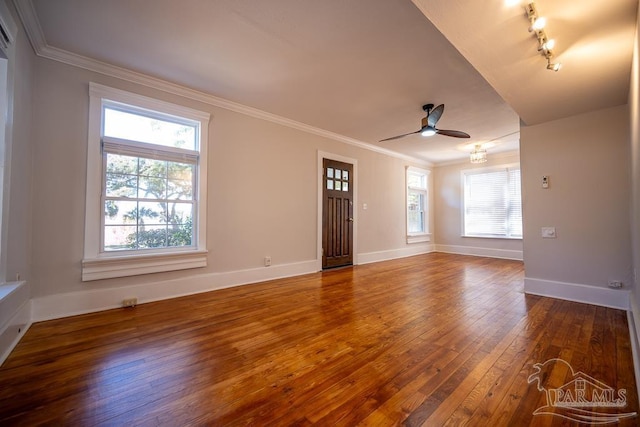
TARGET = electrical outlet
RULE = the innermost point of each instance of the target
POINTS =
(130, 302)
(615, 284)
(548, 232)
(267, 261)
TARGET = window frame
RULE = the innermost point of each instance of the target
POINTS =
(506, 168)
(424, 236)
(7, 70)
(99, 264)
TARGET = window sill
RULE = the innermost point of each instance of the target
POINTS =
(132, 265)
(490, 237)
(418, 238)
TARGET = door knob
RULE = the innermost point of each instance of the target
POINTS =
(350, 219)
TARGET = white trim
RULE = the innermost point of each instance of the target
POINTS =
(425, 236)
(36, 37)
(132, 265)
(8, 50)
(416, 249)
(29, 17)
(418, 238)
(15, 317)
(141, 103)
(98, 299)
(484, 252)
(487, 169)
(605, 297)
(633, 316)
(320, 191)
(100, 265)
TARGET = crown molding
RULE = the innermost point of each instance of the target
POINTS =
(29, 19)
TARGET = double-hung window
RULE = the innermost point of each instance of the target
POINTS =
(492, 202)
(147, 164)
(417, 205)
(7, 54)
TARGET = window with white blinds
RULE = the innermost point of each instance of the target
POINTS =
(492, 202)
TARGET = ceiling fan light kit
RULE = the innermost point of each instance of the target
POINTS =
(429, 125)
(545, 44)
(429, 131)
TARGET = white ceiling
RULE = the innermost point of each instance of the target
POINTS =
(363, 68)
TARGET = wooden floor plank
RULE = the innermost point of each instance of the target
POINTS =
(435, 339)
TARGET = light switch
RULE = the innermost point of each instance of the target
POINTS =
(548, 232)
(364, 206)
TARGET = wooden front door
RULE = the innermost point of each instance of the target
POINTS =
(337, 214)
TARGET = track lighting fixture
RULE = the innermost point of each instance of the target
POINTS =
(545, 44)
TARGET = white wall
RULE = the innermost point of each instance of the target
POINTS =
(448, 204)
(634, 115)
(262, 199)
(16, 245)
(587, 160)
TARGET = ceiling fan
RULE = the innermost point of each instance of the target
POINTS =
(429, 125)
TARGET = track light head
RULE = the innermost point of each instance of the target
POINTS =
(553, 66)
(549, 44)
(539, 23)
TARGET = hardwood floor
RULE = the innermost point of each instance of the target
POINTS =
(430, 340)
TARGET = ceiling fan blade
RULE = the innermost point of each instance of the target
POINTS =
(435, 115)
(454, 133)
(400, 136)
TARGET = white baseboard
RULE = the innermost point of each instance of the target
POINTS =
(82, 302)
(613, 298)
(413, 249)
(15, 317)
(73, 303)
(486, 252)
(633, 316)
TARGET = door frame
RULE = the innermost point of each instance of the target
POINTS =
(319, 175)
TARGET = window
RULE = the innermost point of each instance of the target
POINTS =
(417, 205)
(148, 190)
(492, 202)
(8, 31)
(146, 178)
(337, 179)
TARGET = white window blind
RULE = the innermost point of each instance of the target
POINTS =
(492, 203)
